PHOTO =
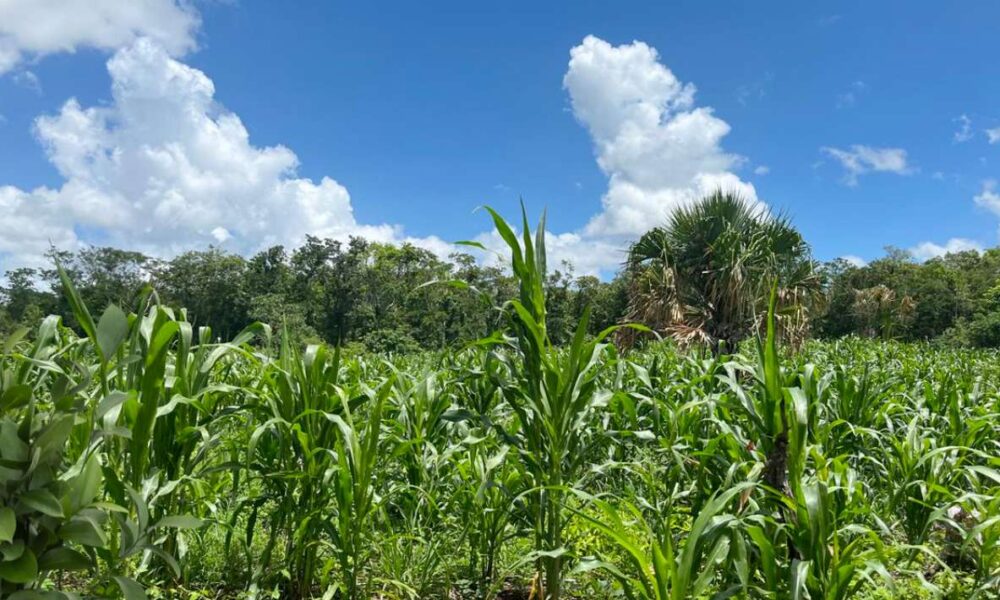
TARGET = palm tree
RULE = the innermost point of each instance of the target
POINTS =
(880, 312)
(704, 277)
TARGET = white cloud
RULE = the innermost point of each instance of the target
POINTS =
(164, 168)
(993, 135)
(221, 234)
(862, 159)
(856, 261)
(657, 148)
(964, 132)
(928, 250)
(762, 170)
(30, 29)
(988, 198)
(28, 80)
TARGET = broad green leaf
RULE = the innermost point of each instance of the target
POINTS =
(130, 588)
(8, 524)
(109, 402)
(15, 396)
(43, 501)
(86, 486)
(64, 559)
(12, 550)
(83, 530)
(22, 570)
(12, 447)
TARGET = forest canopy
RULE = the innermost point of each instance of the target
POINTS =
(373, 294)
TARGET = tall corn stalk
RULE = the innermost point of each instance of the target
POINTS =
(553, 395)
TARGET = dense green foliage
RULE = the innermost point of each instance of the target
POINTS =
(954, 299)
(370, 295)
(147, 451)
(359, 293)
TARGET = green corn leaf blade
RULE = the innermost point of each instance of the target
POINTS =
(76, 304)
(179, 522)
(112, 330)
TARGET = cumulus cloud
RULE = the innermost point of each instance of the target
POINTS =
(856, 261)
(993, 135)
(988, 198)
(860, 159)
(30, 29)
(928, 250)
(658, 149)
(164, 168)
(762, 170)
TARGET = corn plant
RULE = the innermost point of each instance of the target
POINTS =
(553, 398)
(50, 514)
(355, 484)
(490, 508)
(837, 552)
(138, 452)
(656, 566)
(155, 409)
(291, 455)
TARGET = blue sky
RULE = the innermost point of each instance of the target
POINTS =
(866, 122)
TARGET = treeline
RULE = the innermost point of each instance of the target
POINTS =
(379, 297)
(953, 299)
(372, 295)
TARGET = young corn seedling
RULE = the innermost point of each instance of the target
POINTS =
(656, 566)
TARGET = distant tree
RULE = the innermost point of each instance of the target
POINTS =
(211, 285)
(983, 328)
(946, 293)
(880, 312)
(608, 302)
(268, 272)
(281, 315)
(560, 314)
(327, 280)
(474, 316)
(21, 294)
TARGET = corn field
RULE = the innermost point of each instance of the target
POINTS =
(141, 458)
